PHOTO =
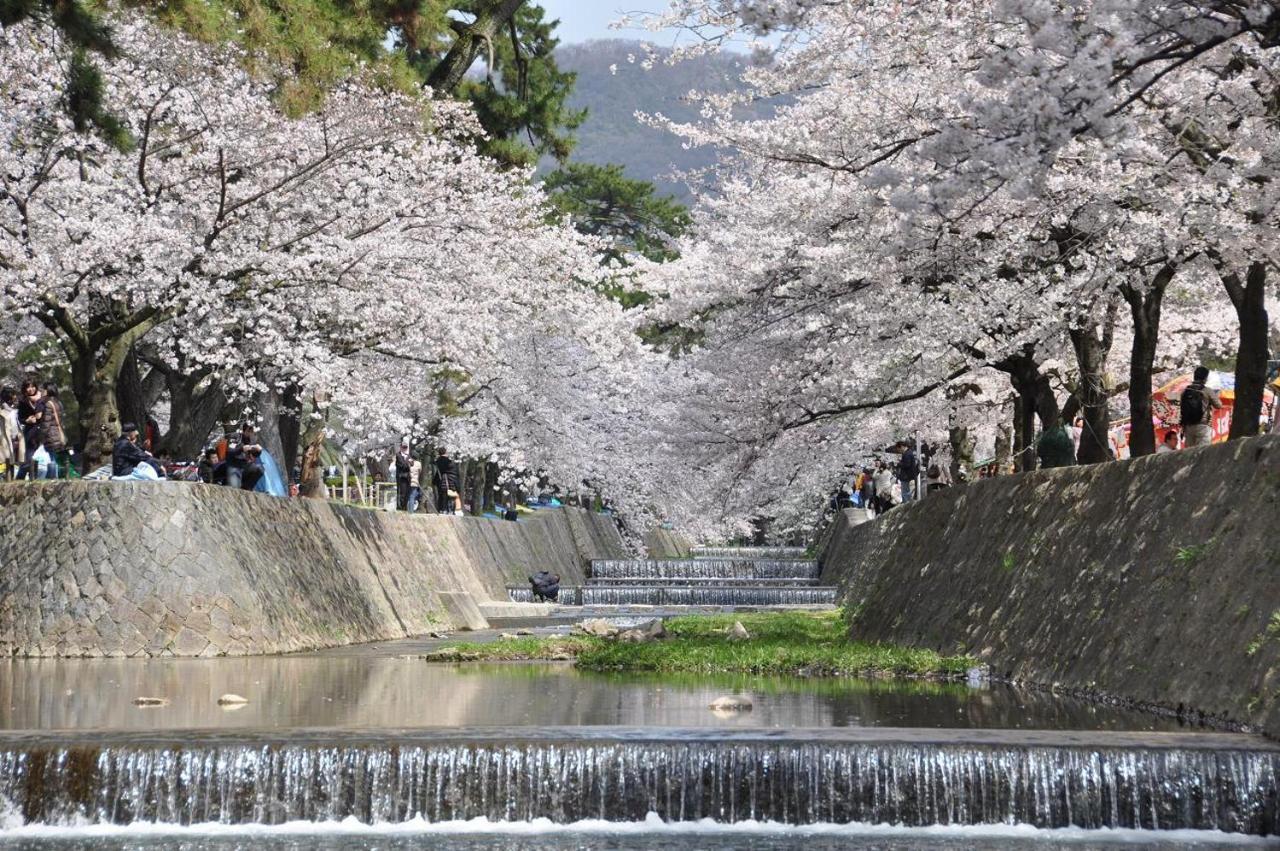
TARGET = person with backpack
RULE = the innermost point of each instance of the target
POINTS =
(1196, 406)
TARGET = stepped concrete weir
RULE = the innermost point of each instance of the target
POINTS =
(881, 776)
(728, 577)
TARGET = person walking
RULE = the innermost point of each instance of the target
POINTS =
(12, 446)
(1196, 405)
(882, 484)
(404, 465)
(52, 435)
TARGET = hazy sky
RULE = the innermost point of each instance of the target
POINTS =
(581, 20)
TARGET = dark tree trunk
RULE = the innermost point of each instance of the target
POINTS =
(1249, 300)
(195, 409)
(290, 425)
(478, 477)
(1035, 399)
(490, 486)
(491, 17)
(1091, 350)
(130, 396)
(1144, 308)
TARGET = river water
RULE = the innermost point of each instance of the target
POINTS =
(406, 692)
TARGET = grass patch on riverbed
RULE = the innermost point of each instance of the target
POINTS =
(781, 643)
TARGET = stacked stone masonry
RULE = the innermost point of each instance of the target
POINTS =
(1153, 580)
(143, 569)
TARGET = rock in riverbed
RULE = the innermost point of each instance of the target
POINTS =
(731, 703)
(738, 632)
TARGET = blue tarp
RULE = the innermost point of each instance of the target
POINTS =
(272, 480)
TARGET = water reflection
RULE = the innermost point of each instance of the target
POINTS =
(372, 692)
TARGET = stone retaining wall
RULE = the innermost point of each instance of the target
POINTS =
(1154, 580)
(132, 569)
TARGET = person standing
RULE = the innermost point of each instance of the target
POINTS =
(448, 498)
(1196, 405)
(908, 472)
(404, 465)
(52, 435)
(883, 486)
(12, 446)
(30, 415)
(415, 485)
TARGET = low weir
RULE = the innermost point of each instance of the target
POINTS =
(735, 578)
(886, 776)
(706, 569)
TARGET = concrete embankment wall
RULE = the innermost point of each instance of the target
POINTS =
(1154, 580)
(130, 569)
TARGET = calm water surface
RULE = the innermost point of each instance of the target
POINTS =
(372, 692)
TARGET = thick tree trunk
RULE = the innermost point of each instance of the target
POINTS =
(490, 486)
(311, 484)
(963, 445)
(491, 17)
(1004, 444)
(196, 407)
(1249, 300)
(130, 397)
(290, 426)
(1091, 357)
(1144, 308)
(268, 407)
(1035, 399)
(99, 421)
(1024, 433)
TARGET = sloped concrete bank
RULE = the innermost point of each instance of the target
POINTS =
(1152, 580)
(141, 569)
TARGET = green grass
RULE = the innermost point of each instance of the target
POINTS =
(790, 643)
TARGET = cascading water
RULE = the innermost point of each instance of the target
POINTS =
(567, 776)
(706, 595)
(707, 569)
(748, 552)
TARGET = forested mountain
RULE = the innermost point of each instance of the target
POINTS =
(611, 133)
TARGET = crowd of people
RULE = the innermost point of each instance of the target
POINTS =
(33, 438)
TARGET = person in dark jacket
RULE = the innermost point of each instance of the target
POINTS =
(208, 463)
(1055, 447)
(446, 482)
(30, 417)
(404, 466)
(545, 585)
(127, 455)
(252, 472)
(237, 455)
(52, 434)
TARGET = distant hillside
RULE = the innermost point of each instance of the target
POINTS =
(611, 133)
